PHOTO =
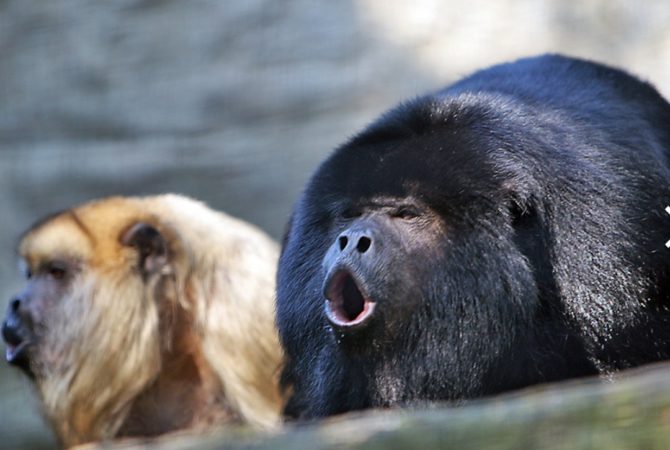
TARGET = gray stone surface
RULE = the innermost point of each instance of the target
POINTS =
(236, 101)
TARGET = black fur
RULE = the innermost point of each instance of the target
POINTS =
(536, 252)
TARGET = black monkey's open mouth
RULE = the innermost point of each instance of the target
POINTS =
(346, 304)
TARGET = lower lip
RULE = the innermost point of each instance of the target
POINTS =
(368, 309)
(13, 352)
(10, 353)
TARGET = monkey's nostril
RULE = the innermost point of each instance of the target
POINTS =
(15, 304)
(363, 244)
(343, 242)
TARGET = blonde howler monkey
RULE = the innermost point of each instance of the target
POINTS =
(146, 315)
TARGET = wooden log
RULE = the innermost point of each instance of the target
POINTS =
(629, 411)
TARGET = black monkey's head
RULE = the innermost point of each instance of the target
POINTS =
(506, 231)
(410, 270)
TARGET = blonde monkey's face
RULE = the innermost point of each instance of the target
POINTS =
(30, 312)
(85, 328)
(119, 324)
(71, 291)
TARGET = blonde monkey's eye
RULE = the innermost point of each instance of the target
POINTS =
(57, 273)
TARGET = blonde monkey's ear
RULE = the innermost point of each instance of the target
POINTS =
(150, 245)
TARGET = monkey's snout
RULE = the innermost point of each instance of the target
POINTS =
(12, 324)
(13, 334)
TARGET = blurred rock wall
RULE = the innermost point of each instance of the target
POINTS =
(235, 102)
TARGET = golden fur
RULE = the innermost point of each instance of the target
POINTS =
(193, 346)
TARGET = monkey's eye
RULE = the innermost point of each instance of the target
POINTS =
(406, 212)
(56, 272)
(29, 274)
(351, 213)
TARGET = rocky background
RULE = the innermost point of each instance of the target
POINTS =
(236, 101)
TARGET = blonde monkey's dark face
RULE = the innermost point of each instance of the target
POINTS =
(29, 311)
(77, 271)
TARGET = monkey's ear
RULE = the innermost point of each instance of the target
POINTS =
(150, 245)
